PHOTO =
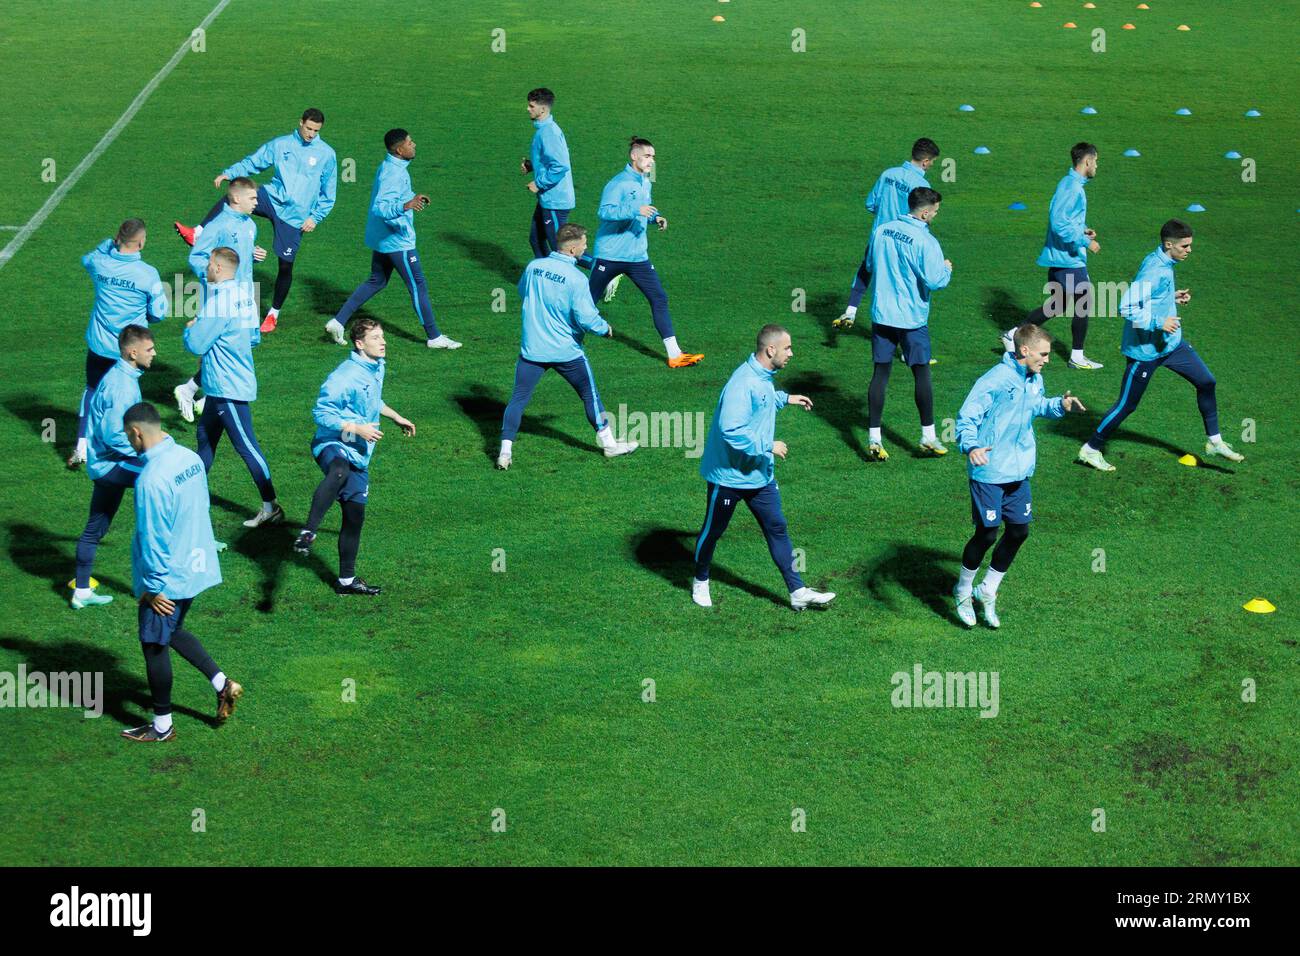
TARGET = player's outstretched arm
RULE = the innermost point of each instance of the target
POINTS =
(405, 424)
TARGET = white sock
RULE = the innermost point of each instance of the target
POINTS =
(670, 344)
(1213, 439)
(346, 581)
(268, 507)
(991, 581)
(273, 312)
(198, 231)
(1076, 355)
(83, 593)
(219, 682)
(927, 434)
(851, 311)
(965, 579)
(606, 437)
(190, 388)
(506, 445)
(874, 436)
(162, 723)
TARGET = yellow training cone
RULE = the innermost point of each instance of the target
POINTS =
(1259, 606)
(1188, 460)
(1143, 6)
(72, 585)
(1090, 6)
(1184, 27)
(719, 19)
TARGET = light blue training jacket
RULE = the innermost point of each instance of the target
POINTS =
(173, 552)
(906, 266)
(107, 446)
(738, 451)
(223, 336)
(999, 414)
(305, 180)
(887, 200)
(1145, 305)
(233, 230)
(552, 171)
(389, 227)
(1066, 247)
(128, 291)
(621, 235)
(354, 392)
(557, 310)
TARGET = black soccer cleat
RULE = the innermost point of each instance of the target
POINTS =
(302, 544)
(148, 735)
(357, 586)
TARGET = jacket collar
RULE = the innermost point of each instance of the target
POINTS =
(1164, 257)
(1021, 370)
(123, 256)
(127, 368)
(1079, 177)
(633, 173)
(164, 446)
(369, 364)
(764, 373)
(556, 254)
(397, 160)
(539, 123)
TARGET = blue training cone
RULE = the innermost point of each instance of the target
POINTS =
(1088, 111)
(1017, 206)
(966, 108)
(1252, 113)
(1232, 154)
(981, 150)
(1182, 111)
(1196, 207)
(1131, 152)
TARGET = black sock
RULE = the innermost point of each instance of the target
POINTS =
(354, 516)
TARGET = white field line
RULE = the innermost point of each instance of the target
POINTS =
(25, 232)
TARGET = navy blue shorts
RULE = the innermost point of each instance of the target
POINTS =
(287, 238)
(886, 338)
(156, 628)
(1011, 500)
(357, 486)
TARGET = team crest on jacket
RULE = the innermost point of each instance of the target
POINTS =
(311, 161)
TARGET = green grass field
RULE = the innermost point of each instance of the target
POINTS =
(478, 690)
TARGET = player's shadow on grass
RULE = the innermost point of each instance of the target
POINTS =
(491, 256)
(121, 688)
(486, 411)
(269, 548)
(670, 553)
(326, 299)
(43, 555)
(622, 339)
(823, 309)
(1005, 312)
(922, 572)
(844, 412)
(35, 412)
(1081, 428)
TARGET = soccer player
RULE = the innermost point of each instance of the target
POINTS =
(625, 213)
(557, 312)
(233, 228)
(995, 431)
(739, 464)
(347, 428)
(298, 198)
(1153, 337)
(886, 202)
(908, 265)
(552, 181)
(174, 559)
(111, 462)
(1065, 254)
(128, 291)
(390, 234)
(223, 336)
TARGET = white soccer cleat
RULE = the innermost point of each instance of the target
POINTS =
(1090, 456)
(503, 461)
(1223, 450)
(700, 593)
(933, 447)
(611, 290)
(965, 609)
(807, 597)
(1009, 341)
(274, 516)
(335, 328)
(1087, 363)
(621, 448)
(184, 402)
(990, 604)
(443, 342)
